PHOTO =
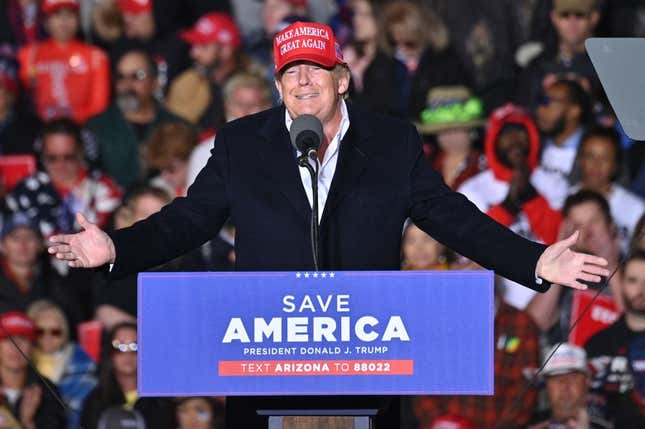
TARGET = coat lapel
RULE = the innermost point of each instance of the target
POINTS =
(279, 162)
(352, 160)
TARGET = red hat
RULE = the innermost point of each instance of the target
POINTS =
(214, 28)
(134, 7)
(306, 41)
(17, 324)
(51, 6)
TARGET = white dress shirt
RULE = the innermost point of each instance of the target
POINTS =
(327, 167)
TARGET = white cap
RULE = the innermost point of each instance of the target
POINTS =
(568, 358)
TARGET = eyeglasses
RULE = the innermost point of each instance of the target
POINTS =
(61, 157)
(124, 347)
(54, 332)
(568, 14)
(137, 75)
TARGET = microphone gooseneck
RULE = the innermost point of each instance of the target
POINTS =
(306, 133)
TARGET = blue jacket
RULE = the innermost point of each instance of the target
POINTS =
(77, 381)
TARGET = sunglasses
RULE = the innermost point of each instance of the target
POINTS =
(568, 14)
(138, 75)
(54, 332)
(64, 157)
(545, 100)
(123, 347)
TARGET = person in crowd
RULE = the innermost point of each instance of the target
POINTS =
(18, 127)
(26, 402)
(167, 151)
(637, 242)
(574, 22)
(453, 115)
(508, 191)
(66, 186)
(419, 39)
(117, 387)
(516, 348)
(260, 176)
(485, 35)
(379, 81)
(599, 162)
(60, 359)
(589, 213)
(123, 128)
(274, 15)
(21, 23)
(613, 381)
(562, 116)
(243, 94)
(66, 77)
(566, 377)
(26, 274)
(143, 30)
(200, 413)
(419, 251)
(216, 51)
(20, 246)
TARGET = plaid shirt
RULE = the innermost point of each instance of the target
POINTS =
(516, 348)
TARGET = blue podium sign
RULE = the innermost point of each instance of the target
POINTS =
(316, 333)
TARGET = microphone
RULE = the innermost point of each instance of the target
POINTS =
(306, 134)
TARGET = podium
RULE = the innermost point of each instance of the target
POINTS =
(316, 349)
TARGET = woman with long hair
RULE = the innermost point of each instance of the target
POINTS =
(60, 359)
(418, 37)
(117, 387)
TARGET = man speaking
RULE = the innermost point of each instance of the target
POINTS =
(372, 176)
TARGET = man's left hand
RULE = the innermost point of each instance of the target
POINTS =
(559, 264)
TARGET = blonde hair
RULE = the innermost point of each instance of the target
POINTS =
(419, 22)
(41, 306)
(247, 80)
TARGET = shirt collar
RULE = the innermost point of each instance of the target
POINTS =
(344, 121)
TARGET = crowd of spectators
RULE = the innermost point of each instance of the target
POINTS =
(110, 107)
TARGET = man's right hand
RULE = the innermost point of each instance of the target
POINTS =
(89, 248)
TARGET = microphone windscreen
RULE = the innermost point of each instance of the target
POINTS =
(306, 132)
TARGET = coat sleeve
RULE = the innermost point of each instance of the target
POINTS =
(182, 225)
(453, 220)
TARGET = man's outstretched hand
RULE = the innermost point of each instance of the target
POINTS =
(86, 249)
(559, 264)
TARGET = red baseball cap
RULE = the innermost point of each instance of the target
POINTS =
(134, 7)
(18, 324)
(214, 28)
(306, 41)
(51, 6)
